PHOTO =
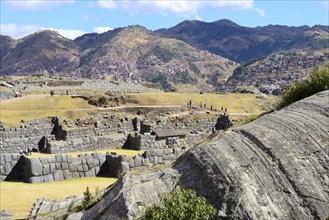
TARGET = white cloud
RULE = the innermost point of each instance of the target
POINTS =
(102, 29)
(261, 12)
(70, 34)
(183, 8)
(107, 4)
(17, 31)
(37, 4)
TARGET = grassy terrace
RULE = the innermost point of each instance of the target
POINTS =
(18, 197)
(12, 111)
(235, 103)
(128, 153)
(26, 108)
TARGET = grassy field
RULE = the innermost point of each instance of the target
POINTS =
(29, 107)
(18, 197)
(6, 89)
(235, 103)
(12, 111)
(128, 153)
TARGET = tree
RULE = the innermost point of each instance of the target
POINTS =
(180, 204)
(318, 81)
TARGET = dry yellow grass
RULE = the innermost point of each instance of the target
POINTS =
(26, 108)
(6, 89)
(128, 153)
(235, 103)
(12, 111)
(18, 197)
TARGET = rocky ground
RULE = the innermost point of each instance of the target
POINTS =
(273, 168)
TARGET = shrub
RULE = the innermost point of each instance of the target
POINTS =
(180, 204)
(318, 81)
(87, 199)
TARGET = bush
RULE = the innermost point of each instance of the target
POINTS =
(180, 204)
(87, 199)
(318, 81)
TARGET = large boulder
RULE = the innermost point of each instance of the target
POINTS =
(128, 197)
(273, 168)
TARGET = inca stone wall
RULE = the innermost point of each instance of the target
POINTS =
(64, 167)
(117, 165)
(154, 157)
(26, 131)
(15, 139)
(61, 167)
(180, 123)
(116, 89)
(147, 141)
(88, 143)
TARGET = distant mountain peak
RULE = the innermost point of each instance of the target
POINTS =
(226, 22)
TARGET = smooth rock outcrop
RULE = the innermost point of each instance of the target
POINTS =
(276, 167)
(128, 197)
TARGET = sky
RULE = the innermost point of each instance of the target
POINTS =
(72, 18)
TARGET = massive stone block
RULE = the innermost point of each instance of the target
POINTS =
(36, 167)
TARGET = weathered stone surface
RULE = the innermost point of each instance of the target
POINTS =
(73, 167)
(36, 179)
(75, 216)
(46, 169)
(138, 161)
(125, 166)
(36, 167)
(128, 197)
(58, 175)
(49, 178)
(55, 209)
(273, 168)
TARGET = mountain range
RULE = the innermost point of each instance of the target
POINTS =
(242, 44)
(193, 52)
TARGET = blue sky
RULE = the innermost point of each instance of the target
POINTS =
(72, 18)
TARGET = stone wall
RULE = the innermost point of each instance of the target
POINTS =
(148, 141)
(182, 123)
(116, 89)
(154, 157)
(10, 167)
(15, 139)
(17, 167)
(61, 167)
(88, 143)
(117, 165)
(26, 131)
(103, 136)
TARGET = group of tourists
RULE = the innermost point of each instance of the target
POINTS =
(27, 152)
(204, 106)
